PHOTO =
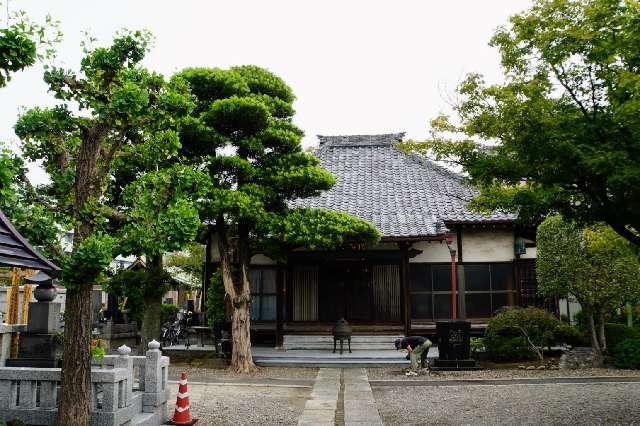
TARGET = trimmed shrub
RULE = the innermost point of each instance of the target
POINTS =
(616, 333)
(168, 313)
(626, 354)
(511, 334)
(216, 300)
(570, 335)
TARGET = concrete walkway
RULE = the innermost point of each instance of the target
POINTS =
(359, 405)
(353, 398)
(320, 409)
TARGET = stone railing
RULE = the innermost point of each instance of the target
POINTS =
(125, 389)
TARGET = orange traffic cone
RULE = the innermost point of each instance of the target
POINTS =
(182, 415)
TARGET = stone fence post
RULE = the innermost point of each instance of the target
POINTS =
(125, 361)
(155, 381)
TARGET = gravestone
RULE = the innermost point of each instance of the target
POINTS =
(40, 345)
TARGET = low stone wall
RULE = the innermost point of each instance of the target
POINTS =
(116, 335)
(576, 358)
(125, 390)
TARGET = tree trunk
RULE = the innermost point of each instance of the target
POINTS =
(74, 402)
(151, 318)
(151, 321)
(595, 344)
(241, 357)
(238, 291)
(629, 309)
(601, 334)
(75, 391)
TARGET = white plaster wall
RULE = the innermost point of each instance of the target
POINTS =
(495, 245)
(532, 253)
(433, 251)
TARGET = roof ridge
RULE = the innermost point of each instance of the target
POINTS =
(381, 139)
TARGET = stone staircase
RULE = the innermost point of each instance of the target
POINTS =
(292, 342)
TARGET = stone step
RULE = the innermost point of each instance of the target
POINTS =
(146, 419)
(372, 342)
(329, 362)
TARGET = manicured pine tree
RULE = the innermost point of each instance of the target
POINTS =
(242, 133)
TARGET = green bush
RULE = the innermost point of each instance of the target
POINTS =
(616, 333)
(509, 333)
(168, 313)
(215, 300)
(626, 354)
(570, 335)
(477, 346)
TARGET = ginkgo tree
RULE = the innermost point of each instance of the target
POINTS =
(108, 106)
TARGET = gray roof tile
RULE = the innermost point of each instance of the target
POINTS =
(404, 196)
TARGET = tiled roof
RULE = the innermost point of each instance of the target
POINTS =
(403, 195)
(16, 251)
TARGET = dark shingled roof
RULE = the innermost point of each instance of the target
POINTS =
(403, 195)
(16, 251)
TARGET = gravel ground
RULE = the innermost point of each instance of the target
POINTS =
(240, 405)
(527, 404)
(202, 373)
(395, 373)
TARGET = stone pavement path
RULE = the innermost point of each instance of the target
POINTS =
(354, 394)
(320, 409)
(359, 404)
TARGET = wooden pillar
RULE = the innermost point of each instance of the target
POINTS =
(280, 300)
(405, 306)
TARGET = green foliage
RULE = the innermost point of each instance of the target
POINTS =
(519, 333)
(597, 266)
(20, 203)
(190, 261)
(135, 285)
(477, 345)
(168, 313)
(216, 312)
(561, 134)
(125, 126)
(322, 229)
(627, 354)
(17, 51)
(616, 333)
(89, 260)
(163, 214)
(22, 42)
(241, 130)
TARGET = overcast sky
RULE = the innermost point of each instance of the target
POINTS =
(356, 67)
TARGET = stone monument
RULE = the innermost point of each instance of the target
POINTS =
(40, 345)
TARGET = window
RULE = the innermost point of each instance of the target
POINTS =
(483, 287)
(488, 287)
(430, 286)
(263, 294)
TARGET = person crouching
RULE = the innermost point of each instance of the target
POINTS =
(417, 347)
